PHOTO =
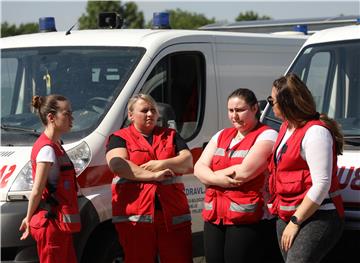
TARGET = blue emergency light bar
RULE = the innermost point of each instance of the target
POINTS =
(301, 28)
(47, 24)
(161, 20)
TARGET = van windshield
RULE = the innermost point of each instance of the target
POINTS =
(332, 73)
(90, 77)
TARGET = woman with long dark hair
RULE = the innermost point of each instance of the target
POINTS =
(303, 184)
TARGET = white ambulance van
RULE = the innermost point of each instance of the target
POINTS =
(329, 63)
(189, 73)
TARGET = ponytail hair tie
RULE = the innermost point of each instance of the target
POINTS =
(317, 116)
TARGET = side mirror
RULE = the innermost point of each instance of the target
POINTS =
(167, 116)
(262, 105)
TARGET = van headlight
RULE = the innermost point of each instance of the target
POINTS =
(23, 181)
(79, 155)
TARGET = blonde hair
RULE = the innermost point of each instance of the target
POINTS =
(144, 97)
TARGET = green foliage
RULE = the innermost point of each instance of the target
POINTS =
(132, 17)
(250, 15)
(180, 19)
(12, 30)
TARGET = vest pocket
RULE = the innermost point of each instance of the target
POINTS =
(287, 207)
(68, 219)
(245, 208)
(138, 155)
(210, 202)
(133, 199)
(291, 183)
(39, 219)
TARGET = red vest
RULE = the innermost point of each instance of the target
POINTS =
(133, 201)
(290, 177)
(241, 205)
(58, 201)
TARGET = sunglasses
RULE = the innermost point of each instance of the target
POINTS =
(270, 100)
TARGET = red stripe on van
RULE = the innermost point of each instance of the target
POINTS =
(94, 176)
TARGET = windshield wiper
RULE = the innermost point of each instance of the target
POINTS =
(352, 140)
(19, 128)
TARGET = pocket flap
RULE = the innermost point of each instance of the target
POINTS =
(292, 177)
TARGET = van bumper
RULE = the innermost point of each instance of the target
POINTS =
(12, 248)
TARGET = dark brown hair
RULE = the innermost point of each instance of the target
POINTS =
(297, 105)
(46, 104)
(248, 96)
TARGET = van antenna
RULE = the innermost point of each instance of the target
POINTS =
(69, 31)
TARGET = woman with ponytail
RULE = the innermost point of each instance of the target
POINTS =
(53, 213)
(303, 184)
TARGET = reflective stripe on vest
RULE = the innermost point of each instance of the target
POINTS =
(336, 193)
(232, 154)
(180, 219)
(133, 218)
(245, 208)
(219, 152)
(288, 207)
(171, 180)
(71, 218)
(238, 154)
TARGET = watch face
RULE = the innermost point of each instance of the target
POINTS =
(294, 220)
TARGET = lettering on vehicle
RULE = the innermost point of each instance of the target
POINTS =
(5, 173)
(195, 197)
(194, 191)
(349, 176)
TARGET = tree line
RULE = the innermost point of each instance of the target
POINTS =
(133, 18)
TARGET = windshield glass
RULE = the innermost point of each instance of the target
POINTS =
(90, 77)
(332, 73)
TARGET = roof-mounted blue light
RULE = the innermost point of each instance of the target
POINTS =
(301, 28)
(161, 20)
(47, 24)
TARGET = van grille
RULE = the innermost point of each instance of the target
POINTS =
(6, 153)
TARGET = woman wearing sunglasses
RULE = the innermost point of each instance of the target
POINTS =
(303, 184)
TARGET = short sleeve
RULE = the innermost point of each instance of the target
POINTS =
(180, 143)
(216, 136)
(46, 155)
(115, 142)
(268, 135)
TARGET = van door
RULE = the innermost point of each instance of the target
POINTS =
(182, 76)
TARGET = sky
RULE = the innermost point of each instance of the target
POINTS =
(67, 12)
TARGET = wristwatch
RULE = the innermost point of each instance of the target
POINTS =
(294, 220)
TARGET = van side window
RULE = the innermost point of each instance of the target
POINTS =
(178, 80)
(318, 70)
(331, 71)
